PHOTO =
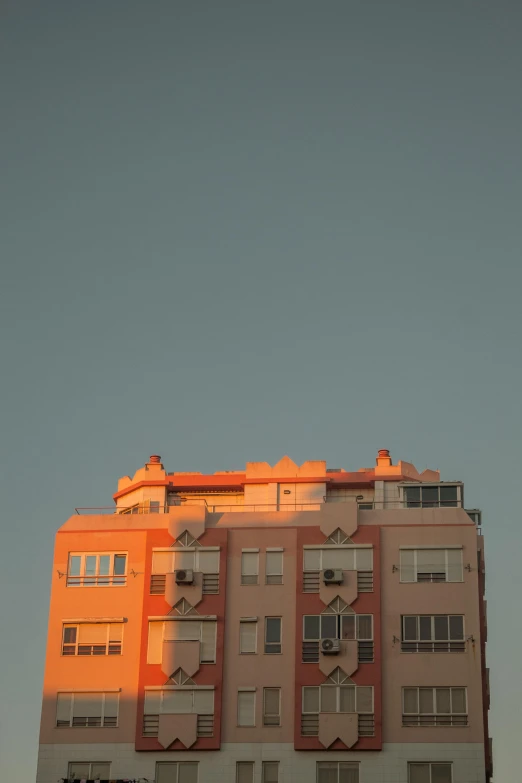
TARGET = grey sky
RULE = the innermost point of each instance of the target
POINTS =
(233, 230)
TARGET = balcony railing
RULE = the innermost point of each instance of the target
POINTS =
(205, 726)
(310, 725)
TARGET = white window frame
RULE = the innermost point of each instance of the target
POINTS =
(77, 643)
(103, 694)
(431, 764)
(192, 689)
(431, 485)
(337, 698)
(415, 551)
(451, 688)
(90, 763)
(334, 548)
(100, 580)
(433, 639)
(195, 550)
(274, 577)
(245, 622)
(354, 764)
(339, 626)
(267, 715)
(177, 765)
(249, 577)
(251, 692)
(273, 644)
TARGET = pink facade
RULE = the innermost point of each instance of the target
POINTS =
(264, 624)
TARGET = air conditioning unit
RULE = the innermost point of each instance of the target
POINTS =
(333, 576)
(184, 576)
(330, 646)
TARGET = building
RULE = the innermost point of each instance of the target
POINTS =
(273, 625)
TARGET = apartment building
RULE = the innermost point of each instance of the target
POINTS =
(279, 624)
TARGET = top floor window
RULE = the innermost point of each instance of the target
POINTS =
(90, 569)
(432, 495)
(431, 565)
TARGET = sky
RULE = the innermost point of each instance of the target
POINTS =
(236, 230)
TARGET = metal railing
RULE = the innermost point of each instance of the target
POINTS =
(310, 725)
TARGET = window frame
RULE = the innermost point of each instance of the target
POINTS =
(193, 689)
(337, 699)
(416, 550)
(434, 690)
(244, 762)
(90, 763)
(277, 576)
(194, 550)
(459, 503)
(432, 638)
(102, 715)
(335, 548)
(254, 578)
(251, 692)
(246, 623)
(339, 627)
(77, 643)
(109, 580)
(264, 765)
(273, 644)
(177, 764)
(430, 764)
(268, 715)
(354, 764)
(193, 618)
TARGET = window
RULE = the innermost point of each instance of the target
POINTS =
(96, 570)
(432, 495)
(338, 698)
(270, 772)
(174, 701)
(434, 707)
(92, 639)
(247, 636)
(245, 772)
(89, 770)
(249, 567)
(272, 635)
(337, 772)
(365, 506)
(274, 567)
(348, 558)
(433, 633)
(271, 706)
(337, 626)
(87, 710)
(246, 708)
(431, 565)
(203, 631)
(192, 558)
(177, 772)
(429, 772)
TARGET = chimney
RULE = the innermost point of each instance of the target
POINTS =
(154, 462)
(383, 458)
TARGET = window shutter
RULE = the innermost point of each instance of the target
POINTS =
(208, 562)
(246, 701)
(458, 700)
(407, 565)
(162, 562)
(364, 626)
(274, 565)
(245, 772)
(152, 704)
(182, 630)
(87, 705)
(328, 698)
(455, 565)
(100, 769)
(338, 558)
(271, 711)
(426, 701)
(364, 697)
(311, 699)
(270, 772)
(183, 560)
(204, 702)
(63, 708)
(188, 772)
(92, 633)
(247, 637)
(364, 559)
(177, 702)
(312, 559)
(347, 698)
(443, 700)
(348, 773)
(249, 567)
(154, 650)
(419, 773)
(116, 632)
(111, 705)
(208, 642)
